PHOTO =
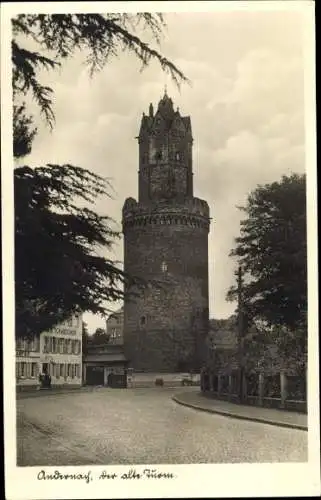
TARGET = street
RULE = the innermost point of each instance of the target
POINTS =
(142, 426)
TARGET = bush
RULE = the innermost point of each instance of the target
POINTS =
(159, 382)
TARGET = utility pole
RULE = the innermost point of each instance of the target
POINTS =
(240, 325)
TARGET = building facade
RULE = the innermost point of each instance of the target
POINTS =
(166, 246)
(101, 362)
(57, 353)
(115, 327)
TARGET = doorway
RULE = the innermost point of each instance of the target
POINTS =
(95, 375)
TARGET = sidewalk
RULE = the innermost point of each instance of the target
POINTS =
(53, 392)
(196, 400)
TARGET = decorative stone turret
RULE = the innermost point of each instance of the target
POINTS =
(166, 243)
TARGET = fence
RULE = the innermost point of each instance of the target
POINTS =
(278, 390)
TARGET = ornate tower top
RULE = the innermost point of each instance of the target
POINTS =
(165, 120)
(165, 154)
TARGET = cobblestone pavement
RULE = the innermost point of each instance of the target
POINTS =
(137, 426)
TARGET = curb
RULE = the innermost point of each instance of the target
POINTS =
(41, 394)
(240, 417)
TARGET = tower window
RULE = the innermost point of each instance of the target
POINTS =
(164, 267)
(142, 320)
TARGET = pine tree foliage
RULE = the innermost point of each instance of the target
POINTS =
(58, 270)
(23, 131)
(101, 37)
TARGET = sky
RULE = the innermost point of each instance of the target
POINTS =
(246, 103)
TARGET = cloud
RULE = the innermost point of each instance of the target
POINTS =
(245, 102)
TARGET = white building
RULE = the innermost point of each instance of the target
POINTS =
(57, 352)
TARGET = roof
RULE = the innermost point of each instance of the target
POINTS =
(105, 357)
(106, 348)
(169, 116)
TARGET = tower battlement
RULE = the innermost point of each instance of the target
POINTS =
(194, 213)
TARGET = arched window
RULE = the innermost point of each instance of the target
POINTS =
(142, 320)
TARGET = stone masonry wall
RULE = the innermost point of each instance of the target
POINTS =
(167, 323)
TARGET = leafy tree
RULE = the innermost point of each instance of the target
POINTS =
(99, 337)
(272, 250)
(57, 269)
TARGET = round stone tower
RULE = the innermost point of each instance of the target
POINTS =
(166, 245)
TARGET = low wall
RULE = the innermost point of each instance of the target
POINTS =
(279, 391)
(233, 398)
(276, 403)
(300, 406)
